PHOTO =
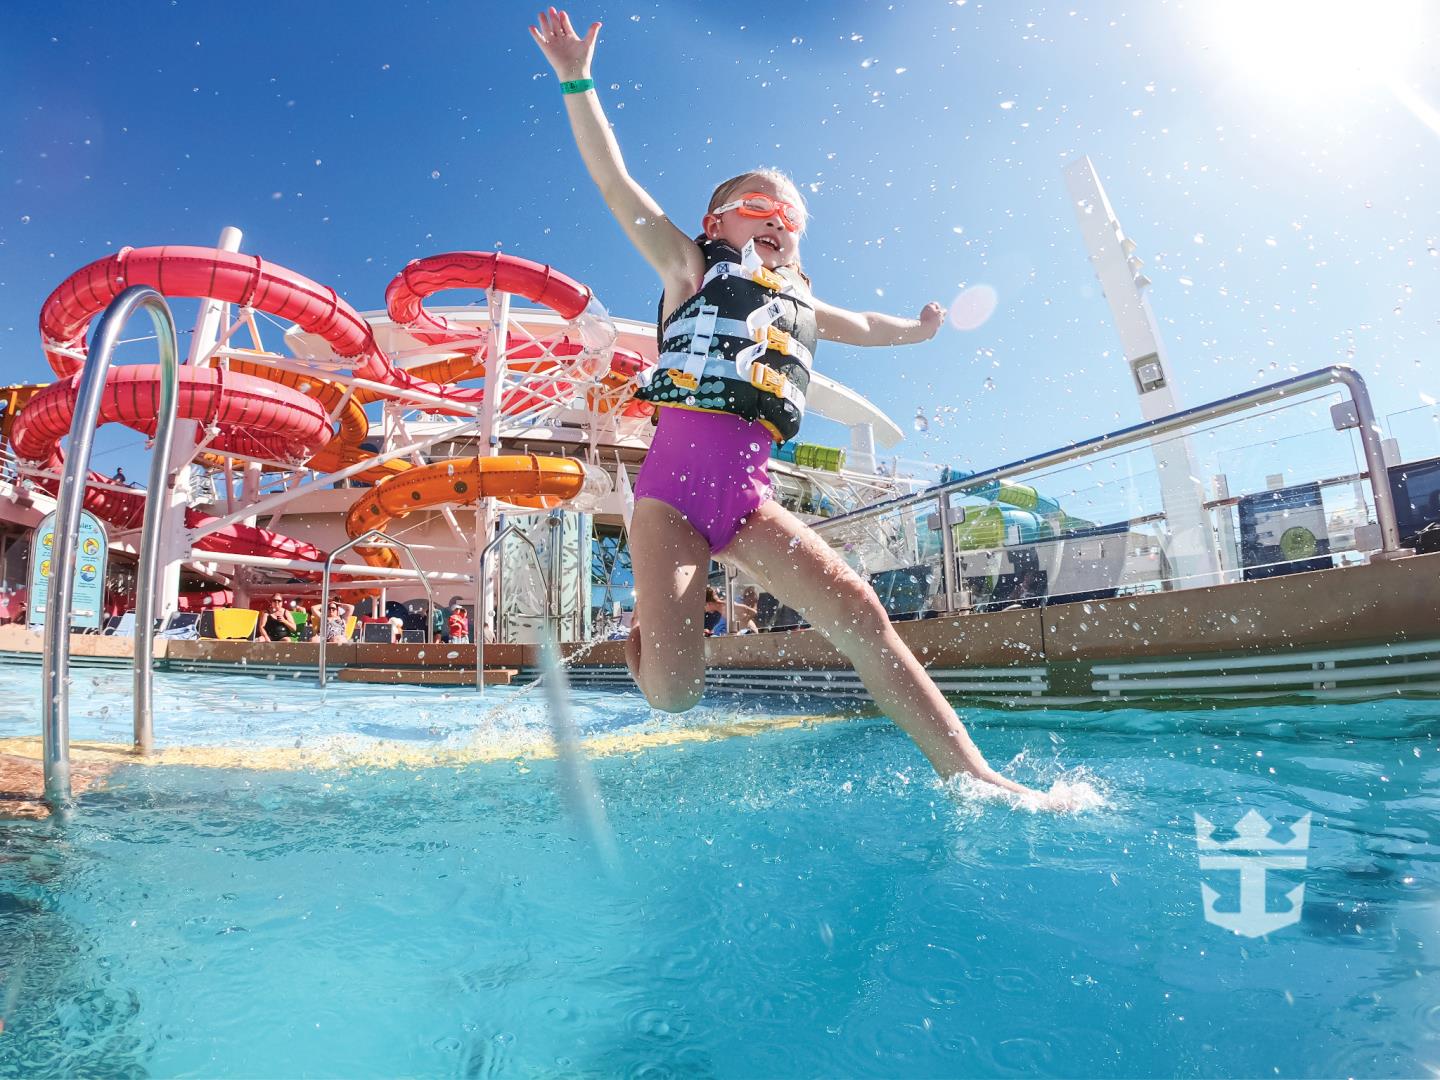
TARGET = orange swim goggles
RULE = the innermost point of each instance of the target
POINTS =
(756, 204)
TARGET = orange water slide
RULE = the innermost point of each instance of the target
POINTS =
(12, 400)
(345, 448)
(522, 479)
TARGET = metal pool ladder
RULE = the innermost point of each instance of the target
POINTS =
(375, 538)
(55, 677)
(479, 632)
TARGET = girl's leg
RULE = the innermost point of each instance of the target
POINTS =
(794, 564)
(666, 650)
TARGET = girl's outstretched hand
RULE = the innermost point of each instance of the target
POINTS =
(569, 54)
(932, 317)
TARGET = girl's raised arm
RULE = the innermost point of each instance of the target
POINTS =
(873, 328)
(673, 254)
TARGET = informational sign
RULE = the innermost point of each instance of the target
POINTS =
(92, 550)
(1283, 531)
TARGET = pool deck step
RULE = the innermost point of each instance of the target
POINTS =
(22, 785)
(495, 676)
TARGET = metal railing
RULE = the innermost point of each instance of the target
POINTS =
(479, 630)
(1369, 434)
(55, 678)
(374, 538)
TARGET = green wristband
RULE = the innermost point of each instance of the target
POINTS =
(577, 86)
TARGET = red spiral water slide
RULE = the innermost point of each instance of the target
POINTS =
(490, 270)
(251, 417)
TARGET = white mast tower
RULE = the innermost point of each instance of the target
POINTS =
(1192, 549)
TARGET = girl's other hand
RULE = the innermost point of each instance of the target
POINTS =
(932, 317)
(569, 54)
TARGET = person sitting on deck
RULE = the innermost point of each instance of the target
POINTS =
(276, 622)
(336, 619)
(747, 612)
(715, 622)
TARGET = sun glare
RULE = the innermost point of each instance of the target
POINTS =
(1317, 48)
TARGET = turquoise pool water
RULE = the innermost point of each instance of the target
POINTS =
(798, 902)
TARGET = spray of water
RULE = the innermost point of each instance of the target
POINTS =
(573, 772)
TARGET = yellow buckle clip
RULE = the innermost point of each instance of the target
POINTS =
(769, 279)
(767, 379)
(682, 380)
(774, 340)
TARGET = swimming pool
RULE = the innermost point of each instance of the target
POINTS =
(798, 899)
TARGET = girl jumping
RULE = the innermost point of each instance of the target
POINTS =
(738, 329)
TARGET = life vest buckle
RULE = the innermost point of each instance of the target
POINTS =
(766, 378)
(775, 340)
(767, 278)
(684, 380)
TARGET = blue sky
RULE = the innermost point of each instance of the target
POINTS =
(1281, 193)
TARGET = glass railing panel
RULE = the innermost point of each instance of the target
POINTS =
(1415, 432)
(1277, 488)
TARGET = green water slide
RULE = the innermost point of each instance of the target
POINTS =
(1017, 514)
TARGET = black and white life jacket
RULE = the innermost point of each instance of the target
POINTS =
(743, 344)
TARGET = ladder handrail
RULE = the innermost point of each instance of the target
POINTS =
(539, 569)
(55, 700)
(368, 537)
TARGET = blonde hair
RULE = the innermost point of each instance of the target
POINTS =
(728, 189)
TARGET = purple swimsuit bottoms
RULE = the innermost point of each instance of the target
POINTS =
(711, 467)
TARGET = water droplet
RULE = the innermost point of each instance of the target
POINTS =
(989, 383)
(921, 423)
(25, 220)
(434, 174)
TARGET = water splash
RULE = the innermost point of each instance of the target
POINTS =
(576, 778)
(1072, 792)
